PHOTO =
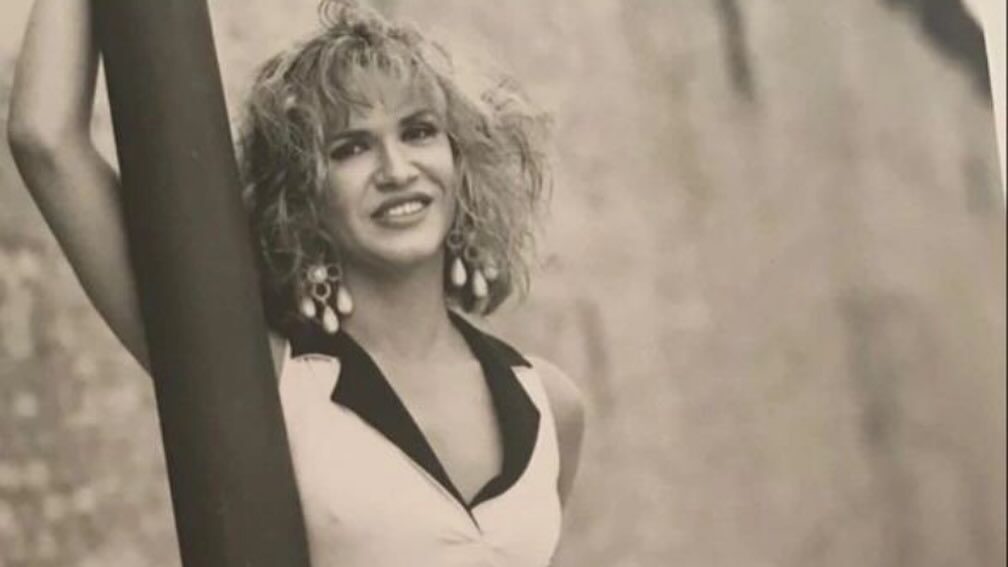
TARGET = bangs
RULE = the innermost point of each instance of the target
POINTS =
(361, 75)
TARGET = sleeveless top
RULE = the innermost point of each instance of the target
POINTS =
(373, 492)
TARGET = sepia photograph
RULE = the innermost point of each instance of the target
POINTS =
(539, 283)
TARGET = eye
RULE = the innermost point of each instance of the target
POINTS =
(419, 131)
(347, 149)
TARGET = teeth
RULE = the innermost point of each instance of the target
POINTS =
(407, 208)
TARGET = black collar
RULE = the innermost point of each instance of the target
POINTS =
(363, 389)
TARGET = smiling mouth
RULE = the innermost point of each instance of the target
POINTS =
(402, 208)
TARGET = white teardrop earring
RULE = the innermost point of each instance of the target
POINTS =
(478, 287)
(491, 271)
(455, 242)
(467, 265)
(344, 303)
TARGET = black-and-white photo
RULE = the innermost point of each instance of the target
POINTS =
(539, 283)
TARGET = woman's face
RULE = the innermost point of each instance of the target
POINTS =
(390, 199)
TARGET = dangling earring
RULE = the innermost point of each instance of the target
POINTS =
(479, 286)
(491, 271)
(467, 266)
(317, 288)
(455, 242)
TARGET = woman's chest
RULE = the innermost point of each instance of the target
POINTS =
(375, 493)
(367, 502)
(456, 416)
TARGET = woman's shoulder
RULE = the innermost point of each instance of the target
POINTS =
(568, 407)
(565, 398)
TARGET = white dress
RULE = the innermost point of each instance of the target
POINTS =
(373, 492)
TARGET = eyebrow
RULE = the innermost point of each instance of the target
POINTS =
(347, 135)
(419, 115)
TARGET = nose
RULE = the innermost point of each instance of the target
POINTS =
(395, 170)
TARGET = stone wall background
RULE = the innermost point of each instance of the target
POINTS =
(775, 264)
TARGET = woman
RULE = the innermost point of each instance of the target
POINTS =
(385, 194)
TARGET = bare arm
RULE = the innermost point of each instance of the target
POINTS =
(76, 190)
(567, 405)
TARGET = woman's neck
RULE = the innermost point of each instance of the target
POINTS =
(402, 317)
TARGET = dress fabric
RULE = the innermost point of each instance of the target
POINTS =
(373, 492)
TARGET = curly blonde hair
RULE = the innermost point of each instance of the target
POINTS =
(497, 138)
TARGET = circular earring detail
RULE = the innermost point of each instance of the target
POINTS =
(468, 267)
(455, 242)
(317, 287)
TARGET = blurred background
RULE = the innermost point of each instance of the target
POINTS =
(775, 264)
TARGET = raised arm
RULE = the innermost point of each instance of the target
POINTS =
(76, 190)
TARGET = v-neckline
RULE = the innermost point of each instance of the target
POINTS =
(362, 388)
